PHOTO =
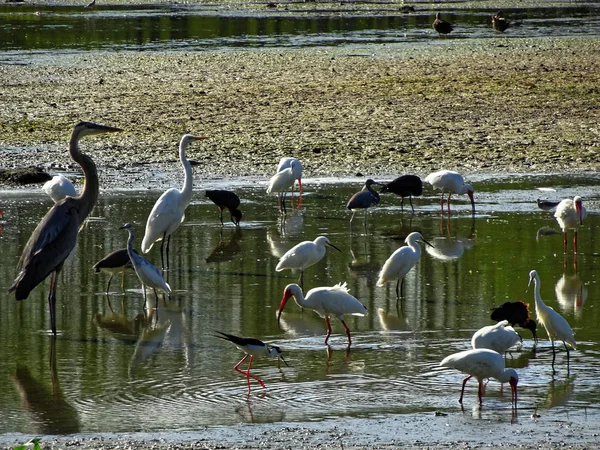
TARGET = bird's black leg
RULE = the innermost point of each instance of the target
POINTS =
(402, 203)
(221, 215)
(168, 245)
(283, 203)
(162, 247)
(553, 355)
(302, 280)
(411, 205)
(108, 284)
(145, 299)
(567, 349)
(397, 291)
(402, 288)
(52, 301)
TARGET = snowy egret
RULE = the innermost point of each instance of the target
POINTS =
(570, 214)
(482, 363)
(401, 261)
(114, 263)
(325, 301)
(304, 255)
(363, 199)
(441, 26)
(499, 337)
(252, 347)
(286, 162)
(56, 235)
(516, 313)
(169, 210)
(405, 186)
(281, 182)
(452, 183)
(555, 325)
(59, 187)
(226, 199)
(499, 23)
(148, 274)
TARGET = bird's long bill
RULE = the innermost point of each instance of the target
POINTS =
(331, 245)
(428, 243)
(97, 128)
(578, 209)
(200, 138)
(470, 194)
(530, 280)
(284, 361)
(286, 296)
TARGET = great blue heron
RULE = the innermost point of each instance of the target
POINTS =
(452, 183)
(281, 182)
(59, 187)
(363, 199)
(56, 235)
(405, 186)
(169, 210)
(226, 199)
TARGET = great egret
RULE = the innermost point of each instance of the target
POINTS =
(169, 210)
(281, 182)
(59, 187)
(452, 183)
(56, 235)
(570, 215)
(401, 261)
(304, 255)
(405, 186)
(516, 313)
(114, 263)
(325, 301)
(441, 26)
(251, 347)
(226, 199)
(363, 199)
(499, 22)
(499, 337)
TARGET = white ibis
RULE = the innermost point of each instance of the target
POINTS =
(404, 186)
(304, 255)
(363, 199)
(226, 200)
(452, 183)
(555, 325)
(148, 274)
(325, 301)
(401, 261)
(251, 347)
(516, 313)
(114, 263)
(499, 23)
(441, 26)
(570, 215)
(169, 210)
(286, 162)
(482, 363)
(281, 182)
(499, 337)
(59, 187)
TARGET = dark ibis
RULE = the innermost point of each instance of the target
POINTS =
(441, 26)
(405, 186)
(226, 200)
(517, 313)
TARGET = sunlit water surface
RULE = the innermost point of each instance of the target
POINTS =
(116, 367)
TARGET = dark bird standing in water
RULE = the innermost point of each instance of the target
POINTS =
(226, 199)
(499, 22)
(114, 263)
(517, 313)
(441, 26)
(405, 186)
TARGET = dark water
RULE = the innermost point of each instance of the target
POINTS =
(47, 28)
(114, 363)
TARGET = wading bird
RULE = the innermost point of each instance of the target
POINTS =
(482, 363)
(499, 22)
(281, 182)
(441, 26)
(499, 337)
(404, 186)
(114, 263)
(546, 205)
(363, 199)
(59, 187)
(286, 162)
(570, 214)
(252, 347)
(516, 313)
(452, 183)
(226, 199)
(401, 261)
(56, 235)
(169, 210)
(304, 255)
(325, 301)
(148, 274)
(556, 326)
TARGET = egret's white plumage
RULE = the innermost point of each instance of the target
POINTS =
(482, 363)
(285, 163)
(304, 255)
(326, 301)
(59, 187)
(499, 337)
(556, 326)
(452, 183)
(570, 215)
(169, 210)
(401, 261)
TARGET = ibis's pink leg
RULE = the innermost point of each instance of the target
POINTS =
(328, 329)
(347, 333)
(449, 195)
(462, 391)
(248, 376)
(300, 186)
(565, 242)
(279, 200)
(442, 202)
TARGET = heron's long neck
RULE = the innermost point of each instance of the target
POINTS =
(91, 188)
(416, 248)
(130, 244)
(539, 304)
(186, 191)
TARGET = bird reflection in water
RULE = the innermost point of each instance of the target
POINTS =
(120, 326)
(393, 322)
(571, 293)
(226, 250)
(559, 392)
(361, 265)
(148, 343)
(448, 247)
(51, 411)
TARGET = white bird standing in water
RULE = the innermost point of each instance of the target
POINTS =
(169, 210)
(285, 163)
(555, 325)
(401, 261)
(59, 187)
(570, 215)
(452, 183)
(482, 363)
(499, 337)
(281, 182)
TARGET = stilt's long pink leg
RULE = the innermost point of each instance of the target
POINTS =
(248, 376)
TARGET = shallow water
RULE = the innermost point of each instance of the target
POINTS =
(117, 368)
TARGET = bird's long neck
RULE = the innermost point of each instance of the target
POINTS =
(186, 191)
(130, 244)
(91, 188)
(301, 301)
(539, 304)
(415, 247)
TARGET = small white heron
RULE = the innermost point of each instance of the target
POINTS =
(401, 261)
(482, 363)
(281, 182)
(363, 199)
(59, 187)
(570, 215)
(251, 347)
(304, 255)
(499, 337)
(169, 210)
(325, 301)
(452, 183)
(148, 274)
(286, 162)
(555, 325)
